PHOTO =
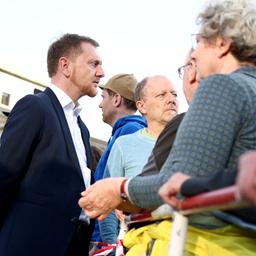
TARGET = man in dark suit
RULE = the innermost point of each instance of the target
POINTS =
(45, 158)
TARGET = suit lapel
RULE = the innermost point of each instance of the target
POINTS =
(88, 150)
(65, 129)
(86, 138)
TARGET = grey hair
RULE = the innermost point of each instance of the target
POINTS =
(139, 92)
(231, 19)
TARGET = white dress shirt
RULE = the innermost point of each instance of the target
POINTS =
(71, 112)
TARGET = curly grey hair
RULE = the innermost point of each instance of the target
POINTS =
(231, 19)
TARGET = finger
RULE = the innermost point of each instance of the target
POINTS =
(174, 202)
(93, 214)
(166, 191)
(102, 217)
(85, 192)
(171, 200)
(85, 203)
(81, 202)
(96, 214)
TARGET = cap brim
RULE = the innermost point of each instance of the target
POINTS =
(101, 86)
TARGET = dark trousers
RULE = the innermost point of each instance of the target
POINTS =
(80, 242)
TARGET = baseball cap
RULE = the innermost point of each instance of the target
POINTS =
(123, 84)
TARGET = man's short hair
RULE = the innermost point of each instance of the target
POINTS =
(138, 95)
(69, 45)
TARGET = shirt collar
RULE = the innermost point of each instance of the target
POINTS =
(65, 101)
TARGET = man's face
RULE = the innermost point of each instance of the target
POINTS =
(108, 107)
(159, 103)
(190, 79)
(86, 71)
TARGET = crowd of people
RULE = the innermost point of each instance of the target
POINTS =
(50, 194)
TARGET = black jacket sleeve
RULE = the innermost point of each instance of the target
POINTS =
(217, 180)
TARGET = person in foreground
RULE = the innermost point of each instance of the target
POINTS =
(45, 158)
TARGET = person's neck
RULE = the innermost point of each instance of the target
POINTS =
(121, 115)
(154, 129)
(65, 87)
(231, 64)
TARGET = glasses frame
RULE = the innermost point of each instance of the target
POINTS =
(195, 39)
(182, 68)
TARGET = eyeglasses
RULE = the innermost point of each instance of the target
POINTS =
(196, 38)
(182, 69)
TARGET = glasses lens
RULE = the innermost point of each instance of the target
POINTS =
(181, 72)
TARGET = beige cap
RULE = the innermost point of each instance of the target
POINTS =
(123, 84)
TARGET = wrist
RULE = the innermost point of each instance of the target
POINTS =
(123, 193)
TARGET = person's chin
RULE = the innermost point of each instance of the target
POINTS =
(172, 112)
(93, 93)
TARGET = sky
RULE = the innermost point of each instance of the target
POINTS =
(143, 37)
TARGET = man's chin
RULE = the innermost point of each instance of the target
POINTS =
(93, 93)
(171, 115)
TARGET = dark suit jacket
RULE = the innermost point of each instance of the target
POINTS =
(40, 178)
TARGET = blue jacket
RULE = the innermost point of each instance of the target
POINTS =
(125, 125)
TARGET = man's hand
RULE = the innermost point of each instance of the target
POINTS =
(101, 198)
(120, 215)
(172, 187)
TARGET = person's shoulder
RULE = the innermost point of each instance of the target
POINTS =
(216, 80)
(231, 81)
(132, 126)
(27, 107)
(126, 138)
(29, 101)
(222, 86)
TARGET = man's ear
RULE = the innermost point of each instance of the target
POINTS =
(65, 66)
(117, 100)
(192, 73)
(140, 106)
(223, 46)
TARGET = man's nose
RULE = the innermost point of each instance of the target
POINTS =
(100, 72)
(172, 99)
